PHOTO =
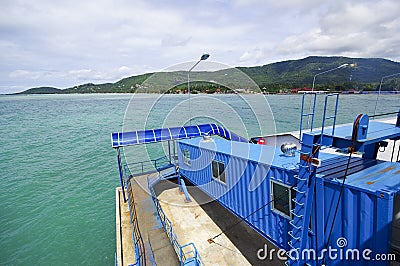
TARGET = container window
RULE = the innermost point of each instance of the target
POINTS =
(186, 157)
(218, 171)
(282, 195)
(214, 169)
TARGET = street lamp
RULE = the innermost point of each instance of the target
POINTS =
(380, 87)
(341, 66)
(313, 83)
(202, 58)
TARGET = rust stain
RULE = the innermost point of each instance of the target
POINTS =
(370, 182)
(365, 177)
(387, 169)
(397, 172)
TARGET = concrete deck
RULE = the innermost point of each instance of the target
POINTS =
(158, 249)
(125, 251)
(198, 223)
(191, 222)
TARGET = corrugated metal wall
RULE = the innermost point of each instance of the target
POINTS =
(238, 195)
(364, 219)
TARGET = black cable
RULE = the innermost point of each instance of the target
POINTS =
(351, 150)
(392, 113)
(241, 220)
(398, 154)
(394, 148)
(227, 248)
(337, 207)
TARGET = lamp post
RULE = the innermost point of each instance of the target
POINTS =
(341, 66)
(380, 87)
(202, 58)
(313, 84)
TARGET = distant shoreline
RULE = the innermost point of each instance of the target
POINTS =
(286, 77)
(193, 94)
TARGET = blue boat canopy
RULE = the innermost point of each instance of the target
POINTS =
(120, 139)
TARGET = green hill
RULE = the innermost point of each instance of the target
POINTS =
(365, 74)
(42, 90)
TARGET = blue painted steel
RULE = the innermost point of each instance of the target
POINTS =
(335, 168)
(185, 257)
(311, 114)
(365, 209)
(121, 175)
(147, 167)
(383, 176)
(191, 257)
(182, 187)
(329, 140)
(137, 239)
(362, 129)
(120, 139)
(377, 131)
(248, 175)
(364, 219)
(304, 200)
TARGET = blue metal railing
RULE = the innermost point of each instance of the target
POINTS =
(146, 167)
(138, 243)
(186, 253)
(190, 255)
(325, 118)
(308, 115)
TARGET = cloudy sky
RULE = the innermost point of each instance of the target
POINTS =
(69, 42)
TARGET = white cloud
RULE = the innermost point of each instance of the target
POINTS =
(350, 29)
(255, 55)
(24, 74)
(83, 74)
(174, 40)
(65, 43)
(91, 75)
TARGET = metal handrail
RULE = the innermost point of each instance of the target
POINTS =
(167, 225)
(324, 118)
(310, 114)
(137, 239)
(145, 167)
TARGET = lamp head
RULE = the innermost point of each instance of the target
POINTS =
(204, 57)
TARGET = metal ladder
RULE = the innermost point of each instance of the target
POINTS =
(306, 180)
(301, 216)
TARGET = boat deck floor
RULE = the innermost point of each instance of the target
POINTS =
(195, 222)
(158, 249)
(125, 252)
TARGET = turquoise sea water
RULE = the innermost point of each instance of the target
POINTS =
(58, 172)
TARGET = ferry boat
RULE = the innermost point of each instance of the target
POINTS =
(329, 196)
